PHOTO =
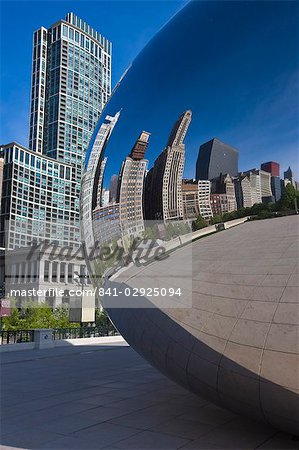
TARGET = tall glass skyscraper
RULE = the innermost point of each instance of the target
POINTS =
(71, 82)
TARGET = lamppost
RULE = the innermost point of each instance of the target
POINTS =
(78, 279)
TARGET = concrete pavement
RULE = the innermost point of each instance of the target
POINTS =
(107, 396)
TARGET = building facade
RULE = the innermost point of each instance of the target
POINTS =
(39, 200)
(70, 84)
(163, 190)
(276, 188)
(243, 191)
(224, 185)
(91, 186)
(216, 157)
(131, 187)
(204, 199)
(190, 199)
(271, 167)
(219, 204)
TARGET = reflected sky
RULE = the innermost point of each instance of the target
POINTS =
(235, 65)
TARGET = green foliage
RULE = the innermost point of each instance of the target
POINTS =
(102, 318)
(216, 219)
(288, 198)
(199, 223)
(264, 214)
(33, 315)
(148, 233)
(171, 230)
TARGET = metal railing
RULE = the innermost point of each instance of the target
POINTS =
(83, 332)
(15, 336)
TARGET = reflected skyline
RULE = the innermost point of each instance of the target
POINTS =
(233, 97)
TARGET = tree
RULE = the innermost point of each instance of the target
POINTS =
(216, 219)
(288, 198)
(32, 315)
(199, 223)
(148, 233)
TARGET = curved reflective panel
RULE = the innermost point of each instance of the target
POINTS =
(205, 294)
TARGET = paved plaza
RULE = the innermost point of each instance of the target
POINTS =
(105, 396)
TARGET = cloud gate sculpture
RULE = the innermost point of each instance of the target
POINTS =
(215, 311)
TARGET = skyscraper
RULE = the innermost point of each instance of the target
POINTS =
(288, 174)
(163, 190)
(224, 185)
(93, 175)
(271, 167)
(274, 169)
(190, 199)
(216, 157)
(276, 188)
(71, 82)
(244, 192)
(204, 199)
(260, 185)
(131, 184)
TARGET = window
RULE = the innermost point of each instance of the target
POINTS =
(54, 271)
(70, 273)
(46, 271)
(62, 272)
(64, 30)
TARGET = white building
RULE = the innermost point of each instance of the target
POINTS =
(131, 183)
(204, 199)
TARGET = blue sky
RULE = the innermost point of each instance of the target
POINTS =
(256, 112)
(235, 65)
(128, 24)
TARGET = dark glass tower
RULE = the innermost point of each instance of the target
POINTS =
(216, 157)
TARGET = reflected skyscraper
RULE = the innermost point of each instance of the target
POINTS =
(243, 191)
(131, 186)
(113, 188)
(224, 185)
(216, 157)
(164, 181)
(93, 176)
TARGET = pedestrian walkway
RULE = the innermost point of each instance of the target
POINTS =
(105, 396)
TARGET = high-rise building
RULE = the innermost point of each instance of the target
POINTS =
(190, 199)
(71, 82)
(39, 199)
(289, 178)
(90, 187)
(274, 169)
(260, 185)
(216, 157)
(131, 186)
(204, 199)
(224, 185)
(271, 167)
(163, 190)
(219, 204)
(1, 178)
(39, 204)
(288, 174)
(276, 188)
(244, 192)
(113, 188)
